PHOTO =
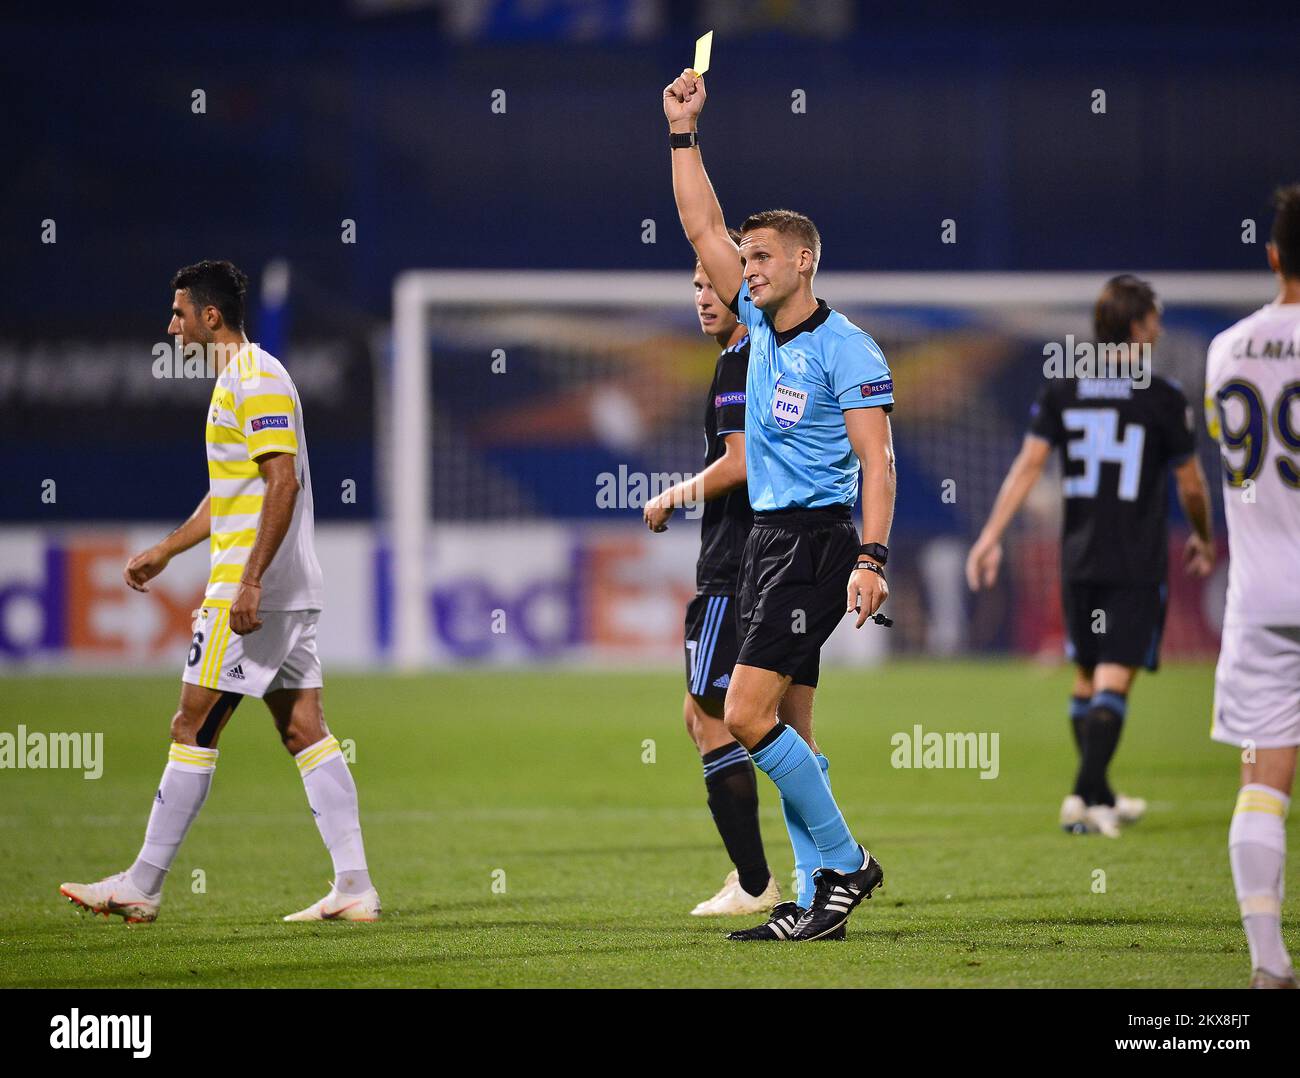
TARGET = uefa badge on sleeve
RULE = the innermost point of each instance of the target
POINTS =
(788, 405)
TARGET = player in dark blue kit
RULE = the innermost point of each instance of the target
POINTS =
(817, 397)
(711, 641)
(1119, 440)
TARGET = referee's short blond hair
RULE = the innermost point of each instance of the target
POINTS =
(789, 223)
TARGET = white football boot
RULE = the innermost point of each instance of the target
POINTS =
(1130, 809)
(734, 901)
(1073, 811)
(116, 894)
(1102, 820)
(339, 907)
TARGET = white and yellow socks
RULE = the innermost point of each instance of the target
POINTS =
(185, 783)
(1257, 851)
(332, 797)
(187, 778)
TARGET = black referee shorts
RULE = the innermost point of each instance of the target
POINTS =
(794, 578)
(1114, 623)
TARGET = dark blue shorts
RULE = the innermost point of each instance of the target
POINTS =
(711, 645)
(1114, 623)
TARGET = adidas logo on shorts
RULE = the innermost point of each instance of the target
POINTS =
(722, 682)
(236, 671)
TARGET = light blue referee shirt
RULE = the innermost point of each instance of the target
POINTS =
(799, 384)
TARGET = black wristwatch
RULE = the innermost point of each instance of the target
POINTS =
(683, 140)
(875, 550)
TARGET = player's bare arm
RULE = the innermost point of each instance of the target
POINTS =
(149, 563)
(697, 205)
(873, 443)
(720, 478)
(281, 478)
(985, 558)
(1194, 497)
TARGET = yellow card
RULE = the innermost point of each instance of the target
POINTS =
(703, 48)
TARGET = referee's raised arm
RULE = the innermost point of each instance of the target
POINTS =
(697, 205)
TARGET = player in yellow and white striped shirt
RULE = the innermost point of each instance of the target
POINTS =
(256, 632)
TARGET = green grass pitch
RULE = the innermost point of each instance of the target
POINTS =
(540, 776)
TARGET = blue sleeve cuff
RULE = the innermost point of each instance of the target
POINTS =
(867, 402)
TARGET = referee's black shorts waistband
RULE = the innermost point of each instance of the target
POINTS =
(804, 518)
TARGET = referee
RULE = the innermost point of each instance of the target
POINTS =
(710, 636)
(817, 397)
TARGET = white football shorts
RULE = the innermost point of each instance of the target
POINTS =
(1257, 687)
(279, 655)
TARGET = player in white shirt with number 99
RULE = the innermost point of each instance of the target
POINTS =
(1252, 398)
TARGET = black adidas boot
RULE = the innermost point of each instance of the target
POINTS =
(836, 896)
(779, 926)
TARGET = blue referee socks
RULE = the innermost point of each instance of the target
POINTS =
(788, 761)
(806, 858)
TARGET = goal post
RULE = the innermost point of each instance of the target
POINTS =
(407, 422)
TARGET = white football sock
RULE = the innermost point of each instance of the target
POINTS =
(1257, 851)
(332, 797)
(185, 783)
